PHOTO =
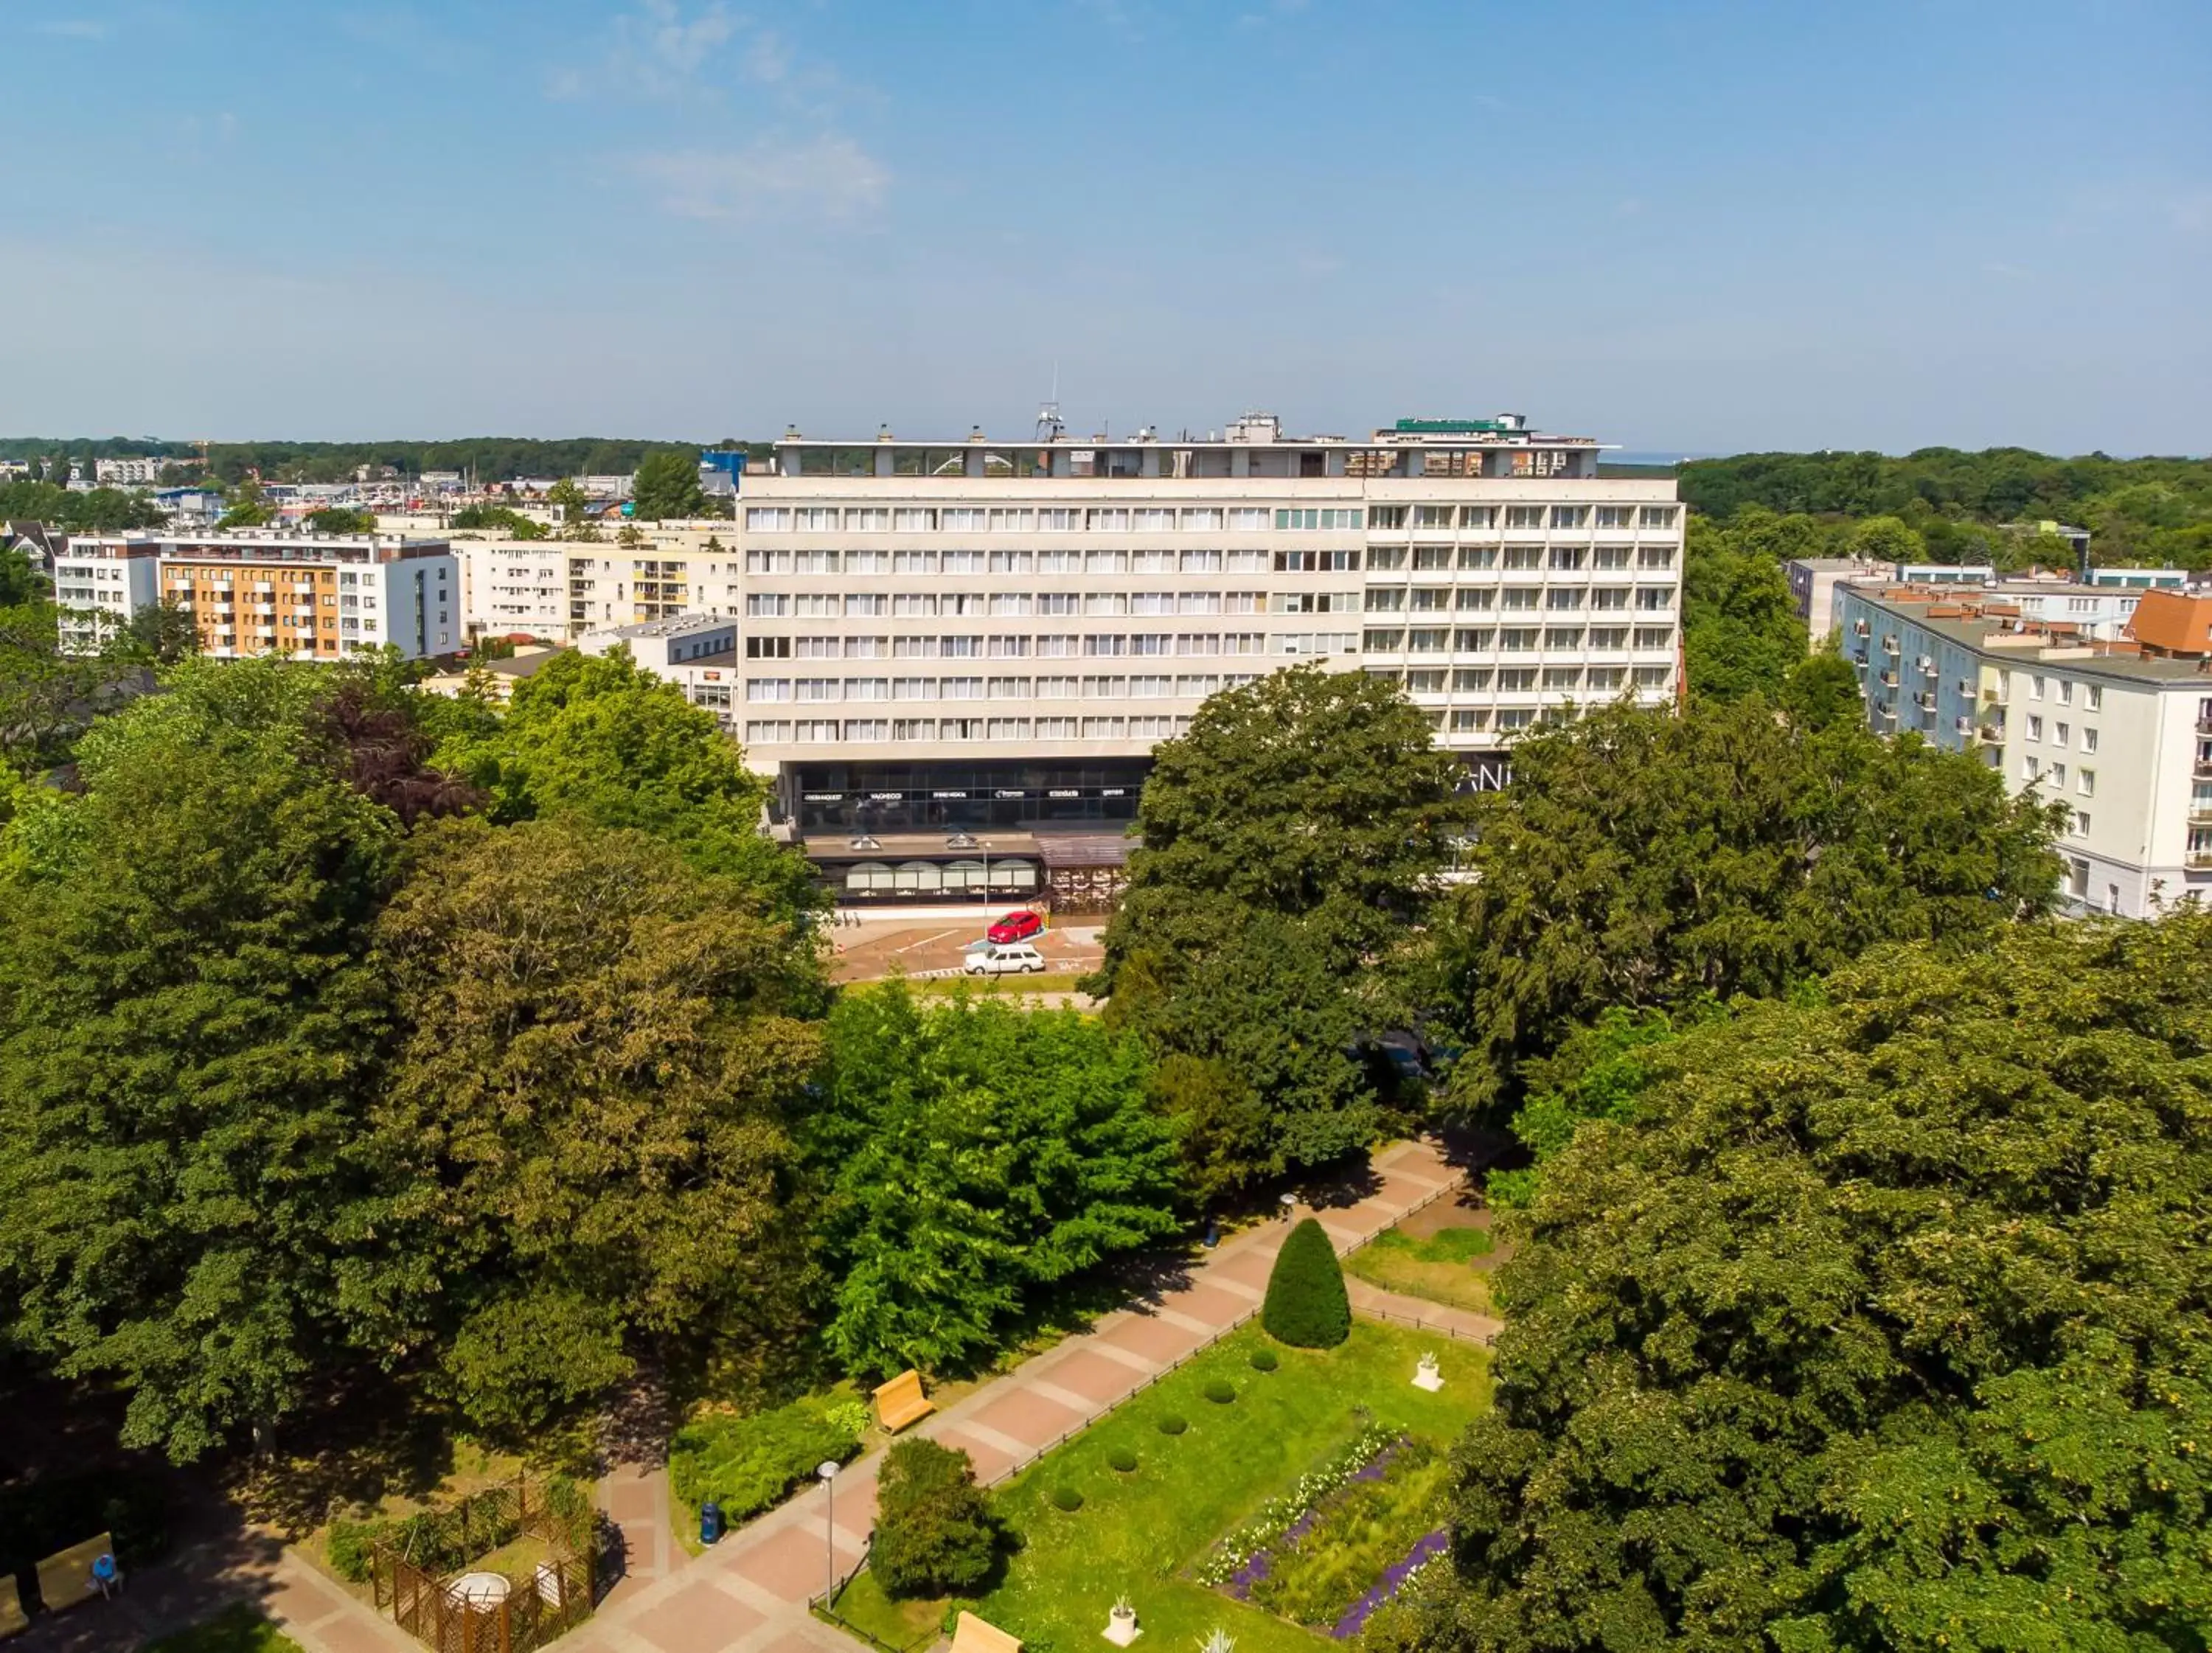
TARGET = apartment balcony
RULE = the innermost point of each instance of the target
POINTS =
(1924, 699)
(2204, 724)
(1963, 727)
(2200, 815)
(1859, 658)
(1889, 647)
(2198, 858)
(1928, 668)
(1992, 734)
(1889, 680)
(2204, 770)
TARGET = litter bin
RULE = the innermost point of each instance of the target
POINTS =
(710, 1523)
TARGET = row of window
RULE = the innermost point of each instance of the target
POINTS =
(1529, 679)
(1391, 599)
(1478, 640)
(1117, 686)
(1562, 558)
(2034, 771)
(2061, 734)
(1107, 645)
(829, 731)
(876, 519)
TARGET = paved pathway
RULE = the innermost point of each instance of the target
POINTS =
(1372, 1300)
(749, 1593)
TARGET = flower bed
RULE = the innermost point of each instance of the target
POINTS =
(1341, 1542)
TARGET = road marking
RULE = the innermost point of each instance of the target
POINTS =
(925, 941)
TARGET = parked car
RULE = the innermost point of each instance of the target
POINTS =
(1016, 926)
(1013, 959)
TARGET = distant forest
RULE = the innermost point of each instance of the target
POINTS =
(491, 458)
(2138, 511)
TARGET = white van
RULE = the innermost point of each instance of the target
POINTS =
(1013, 958)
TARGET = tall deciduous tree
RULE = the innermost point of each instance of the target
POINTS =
(1645, 860)
(582, 1130)
(185, 1021)
(1880, 1323)
(666, 484)
(974, 1157)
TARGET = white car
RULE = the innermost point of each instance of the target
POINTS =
(1013, 959)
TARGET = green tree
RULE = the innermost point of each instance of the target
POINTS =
(20, 582)
(341, 520)
(1222, 1131)
(581, 1131)
(1306, 1306)
(184, 1024)
(598, 738)
(666, 484)
(973, 1157)
(248, 507)
(935, 1534)
(1822, 690)
(572, 507)
(1645, 860)
(1880, 1323)
(1886, 539)
(1740, 631)
(511, 523)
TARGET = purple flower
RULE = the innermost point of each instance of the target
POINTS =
(1355, 1617)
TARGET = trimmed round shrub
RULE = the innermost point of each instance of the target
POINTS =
(1264, 1360)
(1067, 1499)
(1219, 1393)
(1123, 1461)
(1173, 1424)
(935, 1533)
(1306, 1304)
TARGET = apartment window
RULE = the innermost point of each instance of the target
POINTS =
(961, 688)
(1057, 520)
(766, 605)
(1103, 643)
(2065, 691)
(1012, 561)
(2034, 728)
(1105, 602)
(1198, 643)
(768, 648)
(1614, 598)
(1057, 601)
(1154, 519)
(1152, 602)
(1055, 728)
(1653, 677)
(914, 519)
(1197, 687)
(1432, 516)
(2035, 689)
(914, 563)
(1611, 556)
(1383, 642)
(913, 648)
(1151, 642)
(1246, 562)
(1383, 599)
(1477, 516)
(1569, 516)
(1199, 601)
(2061, 733)
(1431, 598)
(964, 562)
(2089, 741)
(1201, 519)
(1382, 517)
(863, 604)
(1109, 521)
(1520, 596)
(1569, 558)
(817, 606)
(1475, 596)
(1478, 557)
(2058, 777)
(1428, 640)
(960, 649)
(1058, 688)
(2085, 783)
(1201, 562)
(1055, 644)
(1650, 598)
(2079, 822)
(867, 689)
(813, 562)
(767, 519)
(1524, 556)
(2031, 768)
(1152, 687)
(1563, 638)
(1562, 677)
(1615, 516)
(1655, 556)
(1105, 728)
(968, 519)
(768, 688)
(1471, 640)
(2093, 698)
(1517, 640)
(1658, 516)
(1565, 597)
(914, 688)
(1308, 517)
(1432, 557)
(1243, 517)
(1424, 683)
(1009, 603)
(914, 728)
(820, 689)
(1106, 562)
(1517, 679)
(867, 729)
(763, 730)
(759, 562)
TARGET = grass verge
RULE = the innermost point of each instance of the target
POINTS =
(1440, 1268)
(236, 1629)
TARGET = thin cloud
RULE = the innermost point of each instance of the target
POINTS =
(830, 177)
(768, 59)
(660, 51)
(76, 28)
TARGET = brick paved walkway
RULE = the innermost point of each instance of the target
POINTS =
(749, 1593)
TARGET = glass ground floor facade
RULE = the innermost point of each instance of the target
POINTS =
(824, 798)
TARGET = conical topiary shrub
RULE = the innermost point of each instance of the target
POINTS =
(1306, 1305)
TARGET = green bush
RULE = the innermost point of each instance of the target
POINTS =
(935, 1534)
(1067, 1499)
(745, 1464)
(1306, 1304)
(351, 1547)
(1173, 1424)
(1122, 1460)
(1220, 1392)
(1264, 1360)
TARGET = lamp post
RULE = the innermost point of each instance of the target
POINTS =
(827, 1470)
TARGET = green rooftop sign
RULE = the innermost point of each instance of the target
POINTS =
(1452, 427)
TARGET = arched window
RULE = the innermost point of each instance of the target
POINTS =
(863, 878)
(921, 876)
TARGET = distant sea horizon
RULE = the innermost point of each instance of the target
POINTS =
(1652, 455)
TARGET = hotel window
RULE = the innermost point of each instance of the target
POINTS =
(966, 519)
(1055, 728)
(820, 689)
(1383, 642)
(1198, 686)
(1424, 683)
(1568, 557)
(1005, 520)
(1151, 688)
(914, 728)
(1477, 516)
(1242, 517)
(1243, 642)
(1475, 596)
(1517, 680)
(1201, 562)
(1105, 643)
(912, 606)
(1524, 516)
(1432, 516)
(1384, 517)
(1478, 557)
(914, 688)
(1383, 599)
(1563, 638)
(1246, 562)
(1655, 637)
(913, 648)
(1057, 520)
(1524, 556)
(1203, 519)
(867, 562)
(1151, 642)
(859, 604)
(1655, 556)
(759, 731)
(768, 688)
(811, 648)
(1058, 688)
(1154, 519)
(867, 729)
(767, 519)
(1105, 602)
(1198, 643)
(961, 688)
(964, 562)
(1569, 516)
(1055, 645)
(1009, 729)
(1654, 597)
(1615, 516)
(1009, 603)
(766, 605)
(1152, 562)
(1470, 722)
(1431, 557)
(867, 689)
(1654, 677)
(960, 649)
(1106, 562)
(1199, 601)
(914, 519)
(1109, 521)
(1520, 596)
(1657, 516)
(816, 519)
(1008, 648)
(1517, 640)
(1152, 602)
(1431, 598)
(1565, 597)
(759, 562)
(1468, 680)
(1105, 728)
(1470, 640)
(1610, 556)
(1428, 640)
(1385, 556)
(814, 563)
(914, 563)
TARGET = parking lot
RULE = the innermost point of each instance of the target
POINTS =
(872, 949)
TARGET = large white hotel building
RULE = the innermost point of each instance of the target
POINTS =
(934, 635)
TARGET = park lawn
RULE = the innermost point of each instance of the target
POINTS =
(1138, 1535)
(236, 1629)
(1439, 1268)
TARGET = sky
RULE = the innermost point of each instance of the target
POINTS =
(1679, 227)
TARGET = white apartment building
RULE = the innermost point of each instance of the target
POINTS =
(128, 472)
(259, 592)
(2119, 731)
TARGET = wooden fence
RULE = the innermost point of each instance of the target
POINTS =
(557, 1596)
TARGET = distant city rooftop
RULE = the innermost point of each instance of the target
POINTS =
(1247, 430)
(1995, 627)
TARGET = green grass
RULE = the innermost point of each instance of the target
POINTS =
(901, 1625)
(1137, 1535)
(1368, 1528)
(237, 1629)
(1440, 1268)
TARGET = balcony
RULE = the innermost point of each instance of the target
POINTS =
(2199, 858)
(1992, 734)
(1963, 727)
(1889, 647)
(2204, 723)
(1889, 680)
(1924, 699)
(2200, 813)
(1928, 668)
(2204, 770)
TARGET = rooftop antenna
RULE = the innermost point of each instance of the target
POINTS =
(1049, 428)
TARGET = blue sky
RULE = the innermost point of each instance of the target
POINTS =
(1703, 227)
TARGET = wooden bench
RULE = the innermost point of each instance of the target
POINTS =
(901, 1402)
(65, 1577)
(12, 1618)
(971, 1635)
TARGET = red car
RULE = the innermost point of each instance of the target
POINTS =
(1015, 926)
